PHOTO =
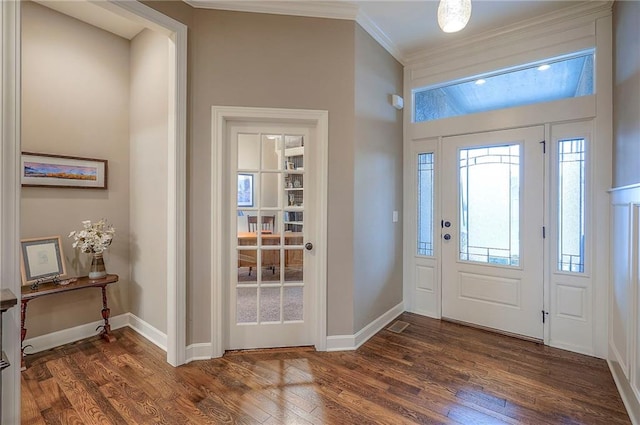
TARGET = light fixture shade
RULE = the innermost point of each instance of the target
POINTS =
(453, 15)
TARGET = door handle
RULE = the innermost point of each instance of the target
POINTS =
(308, 246)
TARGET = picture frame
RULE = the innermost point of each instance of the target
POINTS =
(42, 259)
(245, 190)
(47, 170)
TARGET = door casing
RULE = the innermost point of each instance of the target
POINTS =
(221, 116)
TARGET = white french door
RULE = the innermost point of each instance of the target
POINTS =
(272, 179)
(492, 230)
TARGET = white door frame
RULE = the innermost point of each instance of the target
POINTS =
(220, 116)
(176, 170)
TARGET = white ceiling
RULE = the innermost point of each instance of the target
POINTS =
(403, 27)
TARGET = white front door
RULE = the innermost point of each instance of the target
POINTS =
(272, 216)
(492, 230)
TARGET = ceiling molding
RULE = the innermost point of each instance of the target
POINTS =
(93, 13)
(314, 9)
(541, 24)
(380, 36)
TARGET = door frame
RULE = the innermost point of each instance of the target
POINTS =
(220, 117)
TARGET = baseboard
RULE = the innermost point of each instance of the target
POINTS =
(149, 332)
(352, 342)
(200, 351)
(67, 336)
(626, 392)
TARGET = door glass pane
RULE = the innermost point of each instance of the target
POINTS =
(294, 190)
(292, 303)
(293, 261)
(247, 305)
(490, 205)
(271, 151)
(271, 265)
(247, 265)
(246, 190)
(245, 224)
(270, 304)
(248, 151)
(270, 190)
(571, 190)
(425, 203)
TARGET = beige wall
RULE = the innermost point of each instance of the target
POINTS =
(247, 59)
(626, 95)
(148, 151)
(378, 182)
(75, 94)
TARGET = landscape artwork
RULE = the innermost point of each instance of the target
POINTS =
(46, 170)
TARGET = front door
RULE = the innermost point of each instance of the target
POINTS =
(492, 230)
(272, 212)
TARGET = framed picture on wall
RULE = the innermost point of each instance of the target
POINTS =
(245, 190)
(42, 258)
(46, 170)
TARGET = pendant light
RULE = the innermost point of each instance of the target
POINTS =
(453, 15)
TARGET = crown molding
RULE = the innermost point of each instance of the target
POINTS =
(380, 36)
(585, 10)
(314, 9)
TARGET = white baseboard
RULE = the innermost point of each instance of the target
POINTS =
(626, 392)
(149, 332)
(200, 351)
(67, 336)
(352, 342)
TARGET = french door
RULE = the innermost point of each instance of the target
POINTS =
(271, 218)
(492, 230)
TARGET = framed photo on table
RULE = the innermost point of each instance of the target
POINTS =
(42, 259)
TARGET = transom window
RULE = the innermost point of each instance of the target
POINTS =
(552, 79)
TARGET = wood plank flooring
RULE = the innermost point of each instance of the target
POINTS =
(432, 373)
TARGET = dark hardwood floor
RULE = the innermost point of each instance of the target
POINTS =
(434, 372)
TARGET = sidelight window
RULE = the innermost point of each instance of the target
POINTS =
(571, 205)
(425, 203)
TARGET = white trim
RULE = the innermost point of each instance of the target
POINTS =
(534, 28)
(199, 351)
(379, 35)
(67, 336)
(177, 172)
(10, 201)
(630, 187)
(149, 332)
(314, 9)
(219, 117)
(353, 342)
(629, 399)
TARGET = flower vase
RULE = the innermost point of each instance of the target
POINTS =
(97, 269)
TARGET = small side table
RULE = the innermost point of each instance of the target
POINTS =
(50, 288)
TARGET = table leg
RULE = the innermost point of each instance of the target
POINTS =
(106, 312)
(23, 332)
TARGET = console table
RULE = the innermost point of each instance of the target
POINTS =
(51, 288)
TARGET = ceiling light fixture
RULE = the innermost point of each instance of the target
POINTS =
(453, 15)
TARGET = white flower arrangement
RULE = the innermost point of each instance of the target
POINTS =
(94, 237)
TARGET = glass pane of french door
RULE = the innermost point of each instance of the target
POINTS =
(269, 284)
